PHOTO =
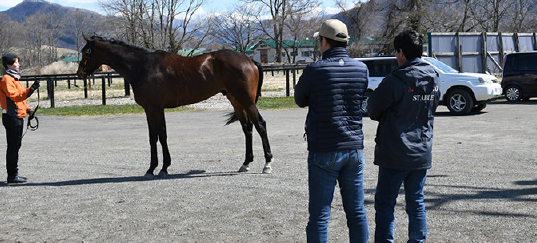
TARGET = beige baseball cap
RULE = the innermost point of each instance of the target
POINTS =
(333, 29)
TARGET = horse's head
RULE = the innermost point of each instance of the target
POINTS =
(89, 63)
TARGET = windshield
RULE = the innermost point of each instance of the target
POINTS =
(440, 65)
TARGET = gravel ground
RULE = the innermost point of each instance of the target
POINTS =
(86, 185)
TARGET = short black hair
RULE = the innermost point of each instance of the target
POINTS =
(411, 42)
(334, 43)
(9, 59)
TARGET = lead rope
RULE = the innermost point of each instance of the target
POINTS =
(32, 116)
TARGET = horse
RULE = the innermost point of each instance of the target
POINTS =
(161, 79)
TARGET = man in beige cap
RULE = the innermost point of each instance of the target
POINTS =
(333, 89)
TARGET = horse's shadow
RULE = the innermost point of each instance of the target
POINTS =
(188, 175)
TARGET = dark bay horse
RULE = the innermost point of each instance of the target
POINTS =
(162, 80)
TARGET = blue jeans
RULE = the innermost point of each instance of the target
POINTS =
(389, 183)
(324, 170)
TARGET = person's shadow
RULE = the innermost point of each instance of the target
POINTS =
(190, 174)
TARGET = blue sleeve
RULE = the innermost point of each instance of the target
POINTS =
(302, 88)
(381, 99)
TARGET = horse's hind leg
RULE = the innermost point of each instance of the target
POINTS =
(261, 127)
(247, 128)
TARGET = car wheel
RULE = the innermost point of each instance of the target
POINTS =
(460, 102)
(364, 102)
(513, 93)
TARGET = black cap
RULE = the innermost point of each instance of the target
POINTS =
(7, 59)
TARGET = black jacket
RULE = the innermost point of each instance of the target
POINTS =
(333, 88)
(404, 104)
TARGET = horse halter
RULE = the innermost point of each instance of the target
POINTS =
(88, 56)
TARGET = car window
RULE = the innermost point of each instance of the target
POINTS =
(525, 62)
(440, 65)
(381, 68)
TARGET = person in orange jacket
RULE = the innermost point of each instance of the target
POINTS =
(13, 98)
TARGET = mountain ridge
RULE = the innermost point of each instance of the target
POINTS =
(28, 8)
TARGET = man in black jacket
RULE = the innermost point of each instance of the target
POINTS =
(333, 89)
(404, 104)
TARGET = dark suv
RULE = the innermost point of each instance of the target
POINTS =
(520, 76)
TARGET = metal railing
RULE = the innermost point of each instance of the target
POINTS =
(106, 80)
(52, 82)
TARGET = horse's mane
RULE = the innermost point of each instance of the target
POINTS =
(117, 42)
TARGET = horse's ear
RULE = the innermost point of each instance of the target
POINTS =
(86, 37)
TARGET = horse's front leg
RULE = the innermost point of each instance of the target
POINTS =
(163, 137)
(152, 123)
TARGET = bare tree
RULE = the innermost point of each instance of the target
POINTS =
(236, 29)
(80, 23)
(279, 12)
(488, 13)
(519, 14)
(54, 25)
(361, 23)
(5, 37)
(8, 36)
(444, 16)
(128, 12)
(35, 37)
(158, 24)
(300, 29)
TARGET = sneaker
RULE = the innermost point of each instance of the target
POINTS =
(16, 179)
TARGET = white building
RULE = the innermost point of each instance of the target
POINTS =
(293, 51)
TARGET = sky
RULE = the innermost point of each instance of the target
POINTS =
(211, 6)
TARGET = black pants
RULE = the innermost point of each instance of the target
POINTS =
(14, 127)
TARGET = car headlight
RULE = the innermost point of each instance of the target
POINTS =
(482, 80)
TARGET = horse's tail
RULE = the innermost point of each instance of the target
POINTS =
(232, 117)
(260, 83)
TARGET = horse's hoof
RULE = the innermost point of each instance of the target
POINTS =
(149, 176)
(163, 174)
(244, 168)
(267, 169)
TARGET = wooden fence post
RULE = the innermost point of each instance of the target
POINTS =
(484, 52)
(458, 51)
(103, 90)
(500, 46)
(287, 92)
(294, 77)
(85, 88)
(50, 91)
(126, 85)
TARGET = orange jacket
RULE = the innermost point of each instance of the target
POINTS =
(13, 97)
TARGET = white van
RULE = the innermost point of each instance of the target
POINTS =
(462, 93)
